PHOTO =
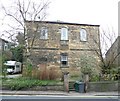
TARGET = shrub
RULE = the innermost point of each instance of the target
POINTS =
(25, 83)
(35, 73)
(44, 73)
(94, 78)
(48, 73)
(27, 69)
(41, 73)
(17, 53)
(52, 74)
(111, 74)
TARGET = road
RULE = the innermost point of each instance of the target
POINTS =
(57, 98)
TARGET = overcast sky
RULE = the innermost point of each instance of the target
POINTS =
(100, 12)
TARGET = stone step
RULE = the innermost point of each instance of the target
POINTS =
(71, 86)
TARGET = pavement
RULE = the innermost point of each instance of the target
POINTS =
(60, 93)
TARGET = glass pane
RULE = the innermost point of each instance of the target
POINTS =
(64, 62)
(64, 34)
(63, 58)
(83, 35)
(43, 33)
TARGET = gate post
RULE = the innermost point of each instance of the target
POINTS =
(66, 81)
(86, 80)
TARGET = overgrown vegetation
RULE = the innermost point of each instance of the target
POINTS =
(0, 64)
(17, 53)
(4, 58)
(112, 74)
(87, 66)
(94, 77)
(41, 73)
(26, 83)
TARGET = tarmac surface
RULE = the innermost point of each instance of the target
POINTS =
(7, 95)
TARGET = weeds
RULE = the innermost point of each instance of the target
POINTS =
(41, 73)
(26, 83)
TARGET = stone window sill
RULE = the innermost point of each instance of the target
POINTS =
(64, 66)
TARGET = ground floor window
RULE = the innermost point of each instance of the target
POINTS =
(64, 59)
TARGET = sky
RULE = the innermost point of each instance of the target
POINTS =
(100, 12)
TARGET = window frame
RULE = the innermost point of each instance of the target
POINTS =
(6, 46)
(64, 58)
(44, 33)
(83, 35)
(64, 33)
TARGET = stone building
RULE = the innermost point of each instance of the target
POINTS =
(113, 54)
(62, 45)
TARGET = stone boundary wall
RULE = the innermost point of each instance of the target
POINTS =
(48, 87)
(103, 86)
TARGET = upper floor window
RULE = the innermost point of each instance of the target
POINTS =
(83, 35)
(44, 33)
(5, 46)
(64, 34)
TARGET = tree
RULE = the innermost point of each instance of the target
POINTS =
(21, 11)
(20, 38)
(107, 39)
(87, 63)
(17, 53)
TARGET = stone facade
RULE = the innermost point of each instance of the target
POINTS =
(113, 54)
(52, 50)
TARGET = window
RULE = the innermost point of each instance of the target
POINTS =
(64, 34)
(64, 60)
(44, 33)
(17, 66)
(11, 67)
(83, 35)
(5, 46)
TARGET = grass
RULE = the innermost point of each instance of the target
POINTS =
(74, 77)
(26, 83)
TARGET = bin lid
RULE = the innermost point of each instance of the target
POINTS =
(78, 82)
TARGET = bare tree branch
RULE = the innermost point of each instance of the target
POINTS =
(29, 2)
(106, 40)
(21, 11)
(24, 10)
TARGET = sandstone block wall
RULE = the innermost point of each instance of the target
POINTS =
(48, 51)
